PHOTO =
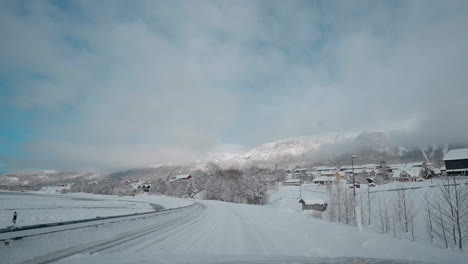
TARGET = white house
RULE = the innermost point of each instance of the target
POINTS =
(324, 180)
(293, 182)
(408, 175)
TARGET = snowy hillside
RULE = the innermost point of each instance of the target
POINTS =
(45, 177)
(282, 150)
(334, 149)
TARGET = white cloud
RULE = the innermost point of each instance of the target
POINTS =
(126, 85)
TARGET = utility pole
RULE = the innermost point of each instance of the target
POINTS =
(357, 213)
(352, 169)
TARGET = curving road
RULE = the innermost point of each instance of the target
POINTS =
(213, 232)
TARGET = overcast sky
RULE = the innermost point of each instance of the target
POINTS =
(116, 84)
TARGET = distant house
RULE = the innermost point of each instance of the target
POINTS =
(324, 180)
(293, 182)
(317, 205)
(456, 162)
(126, 182)
(408, 175)
(181, 177)
(340, 174)
(146, 187)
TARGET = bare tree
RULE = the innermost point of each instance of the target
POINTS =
(429, 214)
(440, 223)
(340, 207)
(370, 197)
(453, 204)
(383, 215)
(404, 209)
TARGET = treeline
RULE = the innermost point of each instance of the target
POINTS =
(231, 185)
(102, 187)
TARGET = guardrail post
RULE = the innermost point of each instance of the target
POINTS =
(15, 215)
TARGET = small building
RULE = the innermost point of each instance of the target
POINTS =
(126, 182)
(146, 187)
(340, 175)
(317, 205)
(293, 182)
(182, 177)
(324, 180)
(456, 162)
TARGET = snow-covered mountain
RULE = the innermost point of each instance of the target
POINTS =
(336, 149)
(289, 150)
(331, 149)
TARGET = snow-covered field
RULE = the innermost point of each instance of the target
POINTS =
(47, 206)
(285, 199)
(415, 192)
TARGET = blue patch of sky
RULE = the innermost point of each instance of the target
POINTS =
(14, 130)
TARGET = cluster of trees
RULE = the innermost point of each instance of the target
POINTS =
(395, 214)
(231, 185)
(103, 187)
(445, 211)
(248, 185)
(341, 205)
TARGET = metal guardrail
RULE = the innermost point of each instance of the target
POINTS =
(12, 233)
(417, 187)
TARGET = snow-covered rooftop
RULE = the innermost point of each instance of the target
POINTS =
(328, 172)
(396, 173)
(415, 172)
(457, 154)
(324, 168)
(182, 176)
(293, 180)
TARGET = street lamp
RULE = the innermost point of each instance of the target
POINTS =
(352, 168)
(357, 215)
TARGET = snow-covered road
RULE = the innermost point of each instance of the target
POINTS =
(219, 232)
(213, 232)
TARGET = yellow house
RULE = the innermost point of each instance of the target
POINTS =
(338, 175)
